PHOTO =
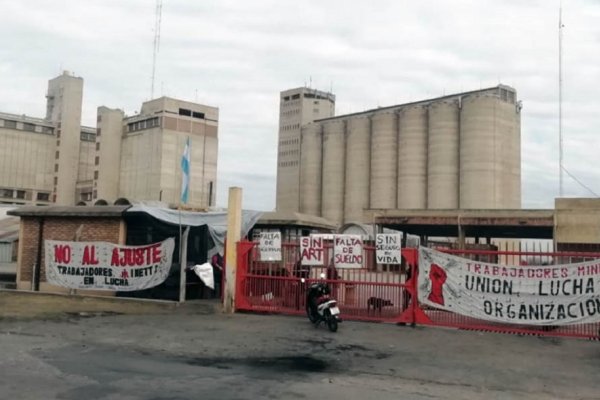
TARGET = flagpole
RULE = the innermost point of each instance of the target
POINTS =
(182, 262)
(185, 183)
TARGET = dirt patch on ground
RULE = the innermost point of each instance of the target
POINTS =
(31, 305)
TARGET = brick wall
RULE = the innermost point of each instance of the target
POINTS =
(60, 228)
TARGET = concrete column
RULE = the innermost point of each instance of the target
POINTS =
(234, 232)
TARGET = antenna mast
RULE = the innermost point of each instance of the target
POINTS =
(560, 84)
(157, 19)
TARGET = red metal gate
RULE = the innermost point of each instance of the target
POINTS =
(372, 293)
(380, 293)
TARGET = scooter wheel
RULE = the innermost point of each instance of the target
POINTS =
(311, 316)
(332, 324)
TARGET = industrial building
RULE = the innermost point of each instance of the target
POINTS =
(297, 107)
(57, 160)
(460, 151)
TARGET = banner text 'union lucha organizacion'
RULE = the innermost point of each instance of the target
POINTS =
(107, 266)
(561, 294)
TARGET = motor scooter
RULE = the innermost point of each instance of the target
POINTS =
(320, 307)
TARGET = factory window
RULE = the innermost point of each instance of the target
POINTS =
(87, 137)
(55, 167)
(57, 154)
(95, 194)
(6, 193)
(55, 182)
(286, 98)
(48, 130)
(296, 96)
(58, 143)
(98, 132)
(97, 160)
(20, 194)
(198, 115)
(97, 146)
(86, 196)
(99, 119)
(316, 102)
(96, 174)
(10, 124)
(183, 111)
(43, 196)
(58, 133)
(28, 127)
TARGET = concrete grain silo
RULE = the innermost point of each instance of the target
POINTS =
(384, 156)
(310, 169)
(358, 160)
(412, 157)
(334, 148)
(443, 152)
(488, 151)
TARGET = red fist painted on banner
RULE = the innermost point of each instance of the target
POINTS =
(438, 278)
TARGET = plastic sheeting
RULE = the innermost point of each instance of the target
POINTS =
(216, 221)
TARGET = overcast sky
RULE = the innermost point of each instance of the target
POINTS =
(238, 56)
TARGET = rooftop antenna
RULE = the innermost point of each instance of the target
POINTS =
(157, 20)
(560, 84)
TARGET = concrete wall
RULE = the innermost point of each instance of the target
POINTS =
(54, 228)
(65, 95)
(108, 139)
(141, 165)
(26, 162)
(577, 220)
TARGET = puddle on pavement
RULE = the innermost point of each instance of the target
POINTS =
(285, 363)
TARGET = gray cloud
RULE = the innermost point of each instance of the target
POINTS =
(239, 55)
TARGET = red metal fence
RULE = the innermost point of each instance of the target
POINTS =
(381, 293)
(436, 317)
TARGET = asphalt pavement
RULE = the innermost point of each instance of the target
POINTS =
(244, 356)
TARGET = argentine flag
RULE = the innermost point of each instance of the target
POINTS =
(185, 172)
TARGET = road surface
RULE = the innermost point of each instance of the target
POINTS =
(243, 356)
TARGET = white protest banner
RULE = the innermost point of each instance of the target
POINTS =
(561, 294)
(347, 251)
(388, 248)
(312, 250)
(107, 266)
(270, 246)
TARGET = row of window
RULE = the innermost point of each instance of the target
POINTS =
(21, 194)
(288, 163)
(288, 153)
(87, 137)
(190, 113)
(290, 112)
(292, 97)
(290, 127)
(306, 96)
(26, 126)
(289, 141)
(145, 124)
